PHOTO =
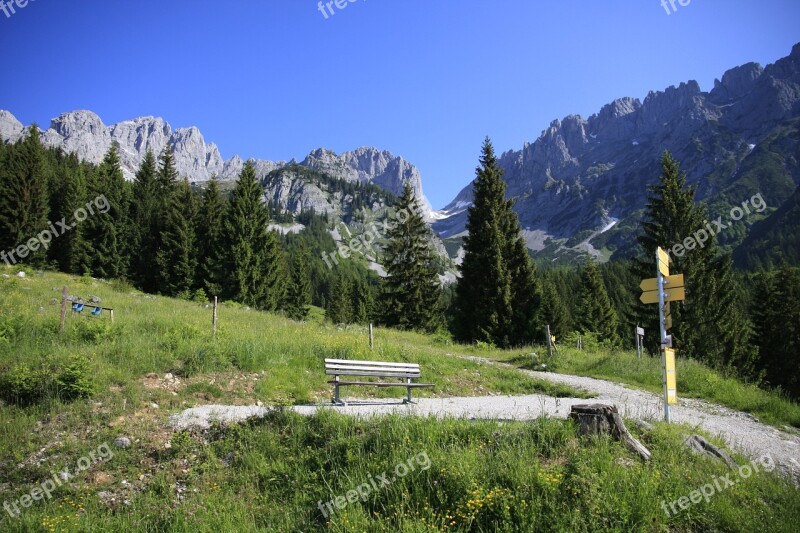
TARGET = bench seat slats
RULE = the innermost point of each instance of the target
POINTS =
(380, 384)
(375, 368)
(411, 375)
(379, 370)
(380, 363)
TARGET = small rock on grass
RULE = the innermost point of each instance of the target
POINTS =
(122, 442)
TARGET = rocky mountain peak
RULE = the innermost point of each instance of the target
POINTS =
(736, 83)
(367, 164)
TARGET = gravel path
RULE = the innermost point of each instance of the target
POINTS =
(740, 431)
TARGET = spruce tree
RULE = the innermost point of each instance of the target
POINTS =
(525, 297)
(145, 214)
(176, 259)
(411, 287)
(254, 274)
(210, 245)
(777, 325)
(709, 324)
(105, 228)
(597, 315)
(299, 293)
(339, 308)
(23, 200)
(553, 310)
(362, 302)
(496, 295)
(75, 254)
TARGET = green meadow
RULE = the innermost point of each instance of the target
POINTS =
(64, 395)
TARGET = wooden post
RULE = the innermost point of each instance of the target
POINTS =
(371, 338)
(549, 341)
(214, 320)
(111, 312)
(63, 308)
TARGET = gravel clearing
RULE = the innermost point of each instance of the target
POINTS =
(741, 431)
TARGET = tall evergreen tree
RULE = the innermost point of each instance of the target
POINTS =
(339, 308)
(23, 199)
(106, 228)
(597, 315)
(145, 216)
(362, 302)
(210, 245)
(411, 287)
(525, 297)
(494, 275)
(176, 259)
(553, 311)
(777, 325)
(299, 293)
(254, 273)
(75, 253)
(709, 325)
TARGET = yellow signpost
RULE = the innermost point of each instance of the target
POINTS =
(670, 376)
(651, 284)
(674, 294)
(663, 261)
(661, 290)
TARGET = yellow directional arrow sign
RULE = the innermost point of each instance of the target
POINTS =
(663, 262)
(675, 294)
(670, 282)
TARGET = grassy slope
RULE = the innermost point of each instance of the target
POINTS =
(270, 475)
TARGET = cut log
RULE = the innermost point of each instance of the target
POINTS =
(600, 419)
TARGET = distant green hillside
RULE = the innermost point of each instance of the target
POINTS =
(774, 239)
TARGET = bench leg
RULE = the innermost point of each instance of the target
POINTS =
(336, 399)
(408, 394)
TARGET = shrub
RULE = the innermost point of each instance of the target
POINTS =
(21, 385)
(75, 380)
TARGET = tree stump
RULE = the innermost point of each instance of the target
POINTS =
(600, 419)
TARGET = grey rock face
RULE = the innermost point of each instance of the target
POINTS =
(370, 165)
(581, 175)
(84, 134)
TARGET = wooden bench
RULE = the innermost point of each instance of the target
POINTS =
(404, 372)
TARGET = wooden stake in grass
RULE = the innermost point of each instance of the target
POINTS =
(371, 338)
(549, 341)
(63, 309)
(214, 320)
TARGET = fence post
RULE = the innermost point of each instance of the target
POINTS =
(63, 308)
(214, 320)
(549, 342)
(371, 337)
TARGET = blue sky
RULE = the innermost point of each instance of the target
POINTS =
(424, 79)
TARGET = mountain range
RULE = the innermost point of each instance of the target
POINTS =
(579, 188)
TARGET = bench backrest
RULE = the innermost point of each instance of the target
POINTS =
(346, 367)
